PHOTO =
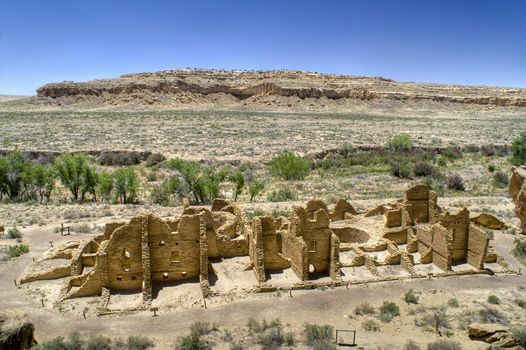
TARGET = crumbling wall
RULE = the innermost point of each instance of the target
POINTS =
(255, 249)
(477, 248)
(343, 210)
(458, 229)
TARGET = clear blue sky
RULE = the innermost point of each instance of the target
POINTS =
(464, 41)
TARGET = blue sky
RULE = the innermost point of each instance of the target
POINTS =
(463, 41)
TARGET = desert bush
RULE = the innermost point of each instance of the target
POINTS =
(282, 195)
(345, 149)
(400, 142)
(126, 185)
(276, 213)
(452, 153)
(16, 250)
(491, 168)
(192, 342)
(120, 158)
(521, 302)
(163, 194)
(434, 184)
(410, 297)
(289, 166)
(364, 309)
(500, 179)
(370, 326)
(518, 149)
(319, 337)
(256, 326)
(492, 315)
(98, 342)
(422, 169)
(453, 302)
(488, 150)
(200, 328)
(455, 182)
(13, 233)
(271, 338)
(388, 311)
(288, 338)
(493, 299)
(401, 169)
(411, 345)
(154, 159)
(444, 344)
(520, 248)
(519, 335)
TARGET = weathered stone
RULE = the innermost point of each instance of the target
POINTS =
(488, 221)
(482, 330)
(16, 331)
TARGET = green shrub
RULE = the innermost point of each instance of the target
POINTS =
(402, 170)
(289, 166)
(452, 153)
(411, 345)
(16, 250)
(98, 342)
(282, 195)
(491, 168)
(518, 150)
(444, 344)
(521, 302)
(400, 142)
(289, 339)
(410, 297)
(345, 149)
(14, 233)
(256, 326)
(276, 213)
(192, 342)
(520, 248)
(453, 302)
(136, 342)
(154, 159)
(271, 339)
(319, 337)
(519, 335)
(388, 311)
(422, 169)
(370, 326)
(200, 328)
(493, 299)
(500, 179)
(364, 309)
(455, 182)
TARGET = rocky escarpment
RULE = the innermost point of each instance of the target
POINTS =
(16, 331)
(243, 85)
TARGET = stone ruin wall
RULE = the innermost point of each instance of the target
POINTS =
(149, 250)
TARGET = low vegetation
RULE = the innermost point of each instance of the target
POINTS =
(289, 166)
(388, 311)
(75, 342)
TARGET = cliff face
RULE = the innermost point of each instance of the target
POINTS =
(200, 85)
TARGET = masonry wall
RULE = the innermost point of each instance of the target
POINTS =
(477, 247)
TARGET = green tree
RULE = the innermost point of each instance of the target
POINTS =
(518, 148)
(289, 166)
(12, 173)
(71, 169)
(105, 186)
(255, 187)
(126, 185)
(90, 181)
(39, 181)
(239, 183)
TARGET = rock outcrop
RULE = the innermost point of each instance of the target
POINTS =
(187, 85)
(497, 335)
(517, 190)
(16, 331)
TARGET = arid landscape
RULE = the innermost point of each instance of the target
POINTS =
(216, 209)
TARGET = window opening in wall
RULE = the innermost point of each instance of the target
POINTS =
(312, 246)
(175, 257)
(126, 259)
